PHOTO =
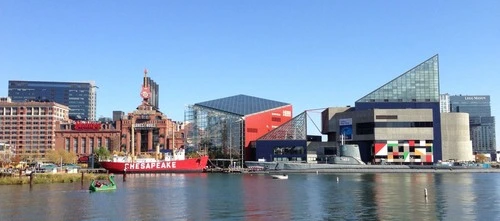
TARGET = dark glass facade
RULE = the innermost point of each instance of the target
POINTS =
(80, 97)
(154, 100)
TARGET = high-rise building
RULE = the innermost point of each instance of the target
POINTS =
(444, 103)
(118, 115)
(482, 124)
(154, 89)
(29, 127)
(80, 97)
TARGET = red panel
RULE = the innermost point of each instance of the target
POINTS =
(379, 146)
(259, 124)
(428, 158)
(411, 143)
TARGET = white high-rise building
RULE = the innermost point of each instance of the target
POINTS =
(444, 103)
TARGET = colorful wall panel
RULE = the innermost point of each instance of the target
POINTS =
(404, 151)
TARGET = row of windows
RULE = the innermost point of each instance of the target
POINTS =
(288, 150)
(298, 159)
(29, 139)
(27, 123)
(401, 149)
(27, 118)
(80, 145)
(369, 128)
(15, 129)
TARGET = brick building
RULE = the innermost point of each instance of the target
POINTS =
(30, 127)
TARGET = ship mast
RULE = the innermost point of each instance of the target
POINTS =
(132, 146)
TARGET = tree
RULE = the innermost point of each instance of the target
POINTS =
(102, 154)
(481, 158)
(60, 154)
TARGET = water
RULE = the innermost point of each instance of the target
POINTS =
(466, 196)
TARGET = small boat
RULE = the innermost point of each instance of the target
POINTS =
(280, 177)
(95, 185)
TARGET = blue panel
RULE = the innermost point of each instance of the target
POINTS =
(242, 104)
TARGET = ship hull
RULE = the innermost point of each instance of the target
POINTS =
(178, 166)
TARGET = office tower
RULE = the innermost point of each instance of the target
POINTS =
(154, 89)
(80, 97)
(118, 115)
(444, 103)
(482, 124)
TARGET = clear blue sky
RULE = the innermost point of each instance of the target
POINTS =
(312, 54)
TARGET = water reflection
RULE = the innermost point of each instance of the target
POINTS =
(385, 196)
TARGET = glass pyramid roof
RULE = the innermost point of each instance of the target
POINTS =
(241, 104)
(294, 129)
(420, 84)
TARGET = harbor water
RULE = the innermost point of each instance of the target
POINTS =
(201, 196)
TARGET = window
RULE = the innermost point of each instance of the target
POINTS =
(288, 150)
(75, 145)
(252, 130)
(66, 143)
(365, 128)
(386, 117)
(84, 145)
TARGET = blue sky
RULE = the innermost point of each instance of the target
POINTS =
(312, 54)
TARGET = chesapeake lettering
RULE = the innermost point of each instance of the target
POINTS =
(145, 166)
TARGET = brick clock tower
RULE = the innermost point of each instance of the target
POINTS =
(147, 129)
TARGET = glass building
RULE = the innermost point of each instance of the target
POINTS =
(80, 97)
(223, 128)
(420, 84)
(482, 124)
(417, 88)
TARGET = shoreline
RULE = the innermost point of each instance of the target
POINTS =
(385, 170)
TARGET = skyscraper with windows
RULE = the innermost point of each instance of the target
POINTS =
(80, 97)
(154, 89)
(444, 103)
(482, 124)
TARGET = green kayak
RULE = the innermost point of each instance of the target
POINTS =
(95, 185)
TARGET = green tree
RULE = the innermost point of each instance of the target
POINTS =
(102, 154)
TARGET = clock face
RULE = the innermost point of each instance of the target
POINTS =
(145, 92)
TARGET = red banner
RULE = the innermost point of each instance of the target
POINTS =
(85, 125)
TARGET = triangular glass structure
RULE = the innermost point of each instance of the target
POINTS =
(420, 84)
(294, 129)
